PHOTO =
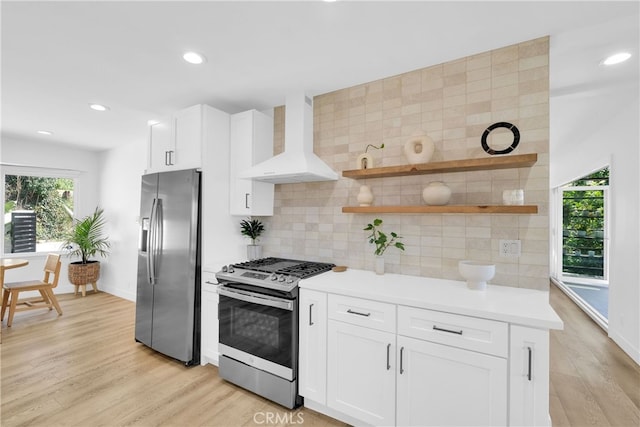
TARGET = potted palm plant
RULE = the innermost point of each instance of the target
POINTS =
(85, 240)
(252, 228)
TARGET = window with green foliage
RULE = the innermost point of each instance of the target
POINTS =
(38, 211)
(584, 248)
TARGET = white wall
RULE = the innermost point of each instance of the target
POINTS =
(120, 172)
(36, 153)
(589, 130)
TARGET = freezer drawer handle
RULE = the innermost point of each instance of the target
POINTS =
(435, 328)
(358, 313)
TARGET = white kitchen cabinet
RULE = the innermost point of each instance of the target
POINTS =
(440, 385)
(176, 141)
(312, 366)
(361, 372)
(209, 319)
(251, 143)
(529, 377)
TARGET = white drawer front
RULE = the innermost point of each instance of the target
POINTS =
(363, 312)
(472, 333)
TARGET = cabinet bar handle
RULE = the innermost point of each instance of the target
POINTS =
(401, 357)
(435, 328)
(359, 314)
(166, 158)
(246, 200)
(388, 350)
(529, 366)
(310, 318)
(171, 158)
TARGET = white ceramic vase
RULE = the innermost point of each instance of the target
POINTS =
(365, 196)
(379, 264)
(436, 193)
(419, 148)
(365, 161)
(254, 252)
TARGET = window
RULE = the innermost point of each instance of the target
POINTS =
(38, 209)
(584, 256)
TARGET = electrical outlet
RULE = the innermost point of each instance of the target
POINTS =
(509, 248)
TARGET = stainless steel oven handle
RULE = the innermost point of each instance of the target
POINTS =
(257, 298)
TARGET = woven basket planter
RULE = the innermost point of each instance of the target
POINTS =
(83, 274)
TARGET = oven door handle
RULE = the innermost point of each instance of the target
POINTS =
(257, 298)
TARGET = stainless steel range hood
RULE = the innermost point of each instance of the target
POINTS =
(297, 163)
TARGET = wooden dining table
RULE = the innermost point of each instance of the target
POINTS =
(8, 264)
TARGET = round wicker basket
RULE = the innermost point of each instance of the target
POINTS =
(83, 274)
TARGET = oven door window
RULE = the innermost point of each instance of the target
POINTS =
(260, 330)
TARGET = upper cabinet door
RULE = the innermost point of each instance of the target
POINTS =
(160, 142)
(176, 142)
(251, 137)
(188, 138)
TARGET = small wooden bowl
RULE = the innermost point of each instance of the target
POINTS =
(339, 268)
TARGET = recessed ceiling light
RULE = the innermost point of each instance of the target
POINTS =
(98, 107)
(616, 58)
(194, 58)
(45, 132)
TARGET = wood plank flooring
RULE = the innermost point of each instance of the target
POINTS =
(85, 369)
(593, 382)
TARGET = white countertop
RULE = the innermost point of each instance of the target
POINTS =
(526, 307)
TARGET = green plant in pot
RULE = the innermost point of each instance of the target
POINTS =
(252, 228)
(382, 241)
(85, 240)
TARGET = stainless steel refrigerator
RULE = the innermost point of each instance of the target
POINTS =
(168, 293)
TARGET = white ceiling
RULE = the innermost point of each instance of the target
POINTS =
(57, 57)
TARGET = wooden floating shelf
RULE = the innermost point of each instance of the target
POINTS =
(485, 163)
(481, 209)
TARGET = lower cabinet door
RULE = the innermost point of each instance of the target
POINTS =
(209, 327)
(529, 377)
(361, 372)
(440, 385)
(312, 365)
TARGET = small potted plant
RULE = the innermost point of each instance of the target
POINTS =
(382, 242)
(85, 240)
(252, 228)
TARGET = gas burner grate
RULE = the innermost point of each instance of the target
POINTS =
(291, 267)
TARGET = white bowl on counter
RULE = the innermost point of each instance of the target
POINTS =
(476, 273)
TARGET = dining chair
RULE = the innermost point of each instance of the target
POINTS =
(11, 291)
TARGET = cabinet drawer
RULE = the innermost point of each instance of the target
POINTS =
(363, 312)
(482, 335)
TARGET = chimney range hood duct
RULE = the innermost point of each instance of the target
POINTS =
(297, 163)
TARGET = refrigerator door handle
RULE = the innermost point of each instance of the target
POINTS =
(151, 242)
(155, 243)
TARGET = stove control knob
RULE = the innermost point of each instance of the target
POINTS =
(231, 269)
(281, 279)
(290, 280)
(224, 268)
(274, 277)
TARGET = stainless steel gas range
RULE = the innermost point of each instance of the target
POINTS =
(258, 317)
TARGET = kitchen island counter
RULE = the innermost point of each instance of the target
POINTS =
(527, 307)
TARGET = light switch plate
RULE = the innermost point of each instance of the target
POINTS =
(509, 248)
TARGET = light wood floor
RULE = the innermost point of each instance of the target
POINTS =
(84, 368)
